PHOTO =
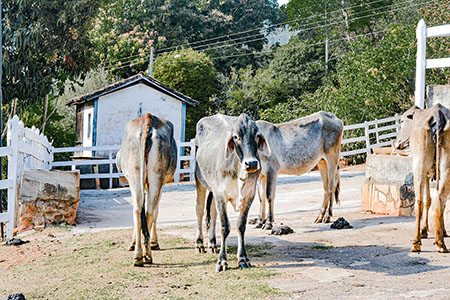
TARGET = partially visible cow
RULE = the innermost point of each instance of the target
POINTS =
(228, 165)
(402, 142)
(147, 158)
(430, 151)
(297, 147)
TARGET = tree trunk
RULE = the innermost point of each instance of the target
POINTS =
(44, 114)
(345, 14)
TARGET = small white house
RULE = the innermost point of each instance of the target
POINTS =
(101, 116)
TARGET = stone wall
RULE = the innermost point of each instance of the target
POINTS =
(48, 197)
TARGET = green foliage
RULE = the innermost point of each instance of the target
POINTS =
(193, 74)
(45, 42)
(296, 68)
(128, 28)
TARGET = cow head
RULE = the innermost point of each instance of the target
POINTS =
(402, 140)
(244, 144)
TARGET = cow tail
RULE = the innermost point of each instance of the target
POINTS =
(437, 127)
(146, 144)
(208, 210)
(337, 188)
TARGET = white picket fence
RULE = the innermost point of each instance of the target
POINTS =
(422, 63)
(26, 149)
(185, 161)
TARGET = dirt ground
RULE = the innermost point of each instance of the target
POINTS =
(369, 261)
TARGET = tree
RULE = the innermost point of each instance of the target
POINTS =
(126, 29)
(45, 43)
(192, 74)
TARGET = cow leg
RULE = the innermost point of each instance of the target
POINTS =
(154, 245)
(270, 196)
(222, 264)
(153, 195)
(241, 222)
(133, 240)
(212, 228)
(200, 210)
(419, 185)
(138, 202)
(424, 230)
(328, 191)
(438, 204)
(262, 185)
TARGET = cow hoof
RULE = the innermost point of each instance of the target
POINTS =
(221, 266)
(318, 219)
(139, 262)
(259, 224)
(245, 264)
(445, 234)
(268, 226)
(131, 248)
(148, 260)
(155, 247)
(416, 248)
(327, 219)
(213, 249)
(443, 249)
(201, 249)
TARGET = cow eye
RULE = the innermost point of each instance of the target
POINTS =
(235, 137)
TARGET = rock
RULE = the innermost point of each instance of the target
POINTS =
(48, 197)
(341, 223)
(280, 230)
(16, 242)
(15, 297)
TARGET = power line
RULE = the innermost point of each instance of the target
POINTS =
(132, 61)
(259, 28)
(264, 52)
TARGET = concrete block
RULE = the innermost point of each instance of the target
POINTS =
(48, 197)
(438, 94)
(390, 169)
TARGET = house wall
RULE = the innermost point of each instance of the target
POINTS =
(116, 109)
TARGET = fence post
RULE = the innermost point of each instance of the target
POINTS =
(176, 176)
(376, 131)
(12, 142)
(397, 121)
(110, 168)
(421, 35)
(193, 162)
(366, 134)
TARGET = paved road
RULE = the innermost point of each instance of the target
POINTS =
(103, 209)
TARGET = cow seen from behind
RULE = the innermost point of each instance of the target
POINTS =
(147, 159)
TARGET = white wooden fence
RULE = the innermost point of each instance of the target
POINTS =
(26, 148)
(185, 161)
(422, 63)
(381, 132)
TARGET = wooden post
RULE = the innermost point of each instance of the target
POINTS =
(12, 141)
(421, 35)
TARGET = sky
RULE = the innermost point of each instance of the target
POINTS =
(281, 2)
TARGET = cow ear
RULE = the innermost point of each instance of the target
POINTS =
(229, 146)
(263, 146)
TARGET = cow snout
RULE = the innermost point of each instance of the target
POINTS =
(251, 166)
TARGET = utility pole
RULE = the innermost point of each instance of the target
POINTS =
(150, 66)
(326, 39)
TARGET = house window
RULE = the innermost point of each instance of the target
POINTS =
(140, 110)
(89, 126)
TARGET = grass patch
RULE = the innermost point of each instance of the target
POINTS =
(98, 266)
